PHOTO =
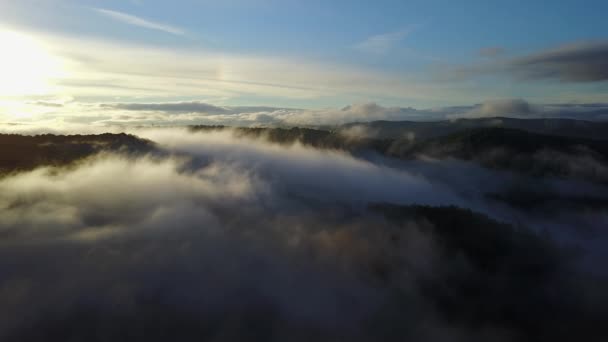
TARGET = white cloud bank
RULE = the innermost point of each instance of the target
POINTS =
(58, 113)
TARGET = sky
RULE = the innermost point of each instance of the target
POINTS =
(309, 54)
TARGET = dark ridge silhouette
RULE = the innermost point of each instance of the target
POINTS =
(466, 143)
(424, 130)
(516, 150)
(19, 152)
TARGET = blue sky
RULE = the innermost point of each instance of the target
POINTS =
(316, 54)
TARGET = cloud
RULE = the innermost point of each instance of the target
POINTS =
(47, 104)
(128, 71)
(212, 169)
(338, 173)
(107, 114)
(583, 62)
(203, 113)
(140, 22)
(225, 238)
(171, 107)
(207, 209)
(501, 108)
(118, 71)
(578, 63)
(519, 108)
(383, 43)
(363, 112)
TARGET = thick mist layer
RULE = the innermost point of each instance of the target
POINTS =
(226, 238)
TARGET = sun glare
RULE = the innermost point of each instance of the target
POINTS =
(26, 67)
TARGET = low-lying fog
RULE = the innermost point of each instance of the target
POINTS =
(236, 239)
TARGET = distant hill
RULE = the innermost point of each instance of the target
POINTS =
(516, 150)
(424, 130)
(19, 152)
(492, 147)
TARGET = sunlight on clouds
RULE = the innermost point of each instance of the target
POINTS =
(40, 68)
(132, 70)
(26, 66)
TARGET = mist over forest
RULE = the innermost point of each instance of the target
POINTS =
(225, 233)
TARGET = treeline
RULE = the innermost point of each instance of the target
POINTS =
(492, 147)
(20, 152)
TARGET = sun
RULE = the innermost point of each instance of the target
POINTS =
(26, 66)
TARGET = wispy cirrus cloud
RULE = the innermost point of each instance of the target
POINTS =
(382, 43)
(114, 69)
(140, 22)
